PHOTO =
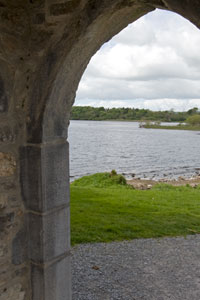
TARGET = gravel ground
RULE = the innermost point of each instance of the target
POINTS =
(147, 269)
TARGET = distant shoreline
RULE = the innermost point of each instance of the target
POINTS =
(130, 114)
(177, 127)
(120, 120)
(152, 126)
(111, 120)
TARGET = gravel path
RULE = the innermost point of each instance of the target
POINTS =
(147, 269)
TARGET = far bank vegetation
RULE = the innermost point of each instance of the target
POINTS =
(191, 123)
(130, 114)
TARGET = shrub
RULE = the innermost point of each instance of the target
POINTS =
(113, 173)
(193, 120)
(119, 179)
(101, 180)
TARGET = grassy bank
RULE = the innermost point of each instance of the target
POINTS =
(176, 127)
(104, 208)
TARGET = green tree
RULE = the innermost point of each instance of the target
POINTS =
(193, 111)
(124, 113)
(193, 120)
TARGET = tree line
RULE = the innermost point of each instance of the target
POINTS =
(130, 114)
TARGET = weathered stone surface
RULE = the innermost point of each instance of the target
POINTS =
(39, 18)
(49, 235)
(7, 184)
(45, 183)
(2, 250)
(6, 221)
(64, 7)
(20, 246)
(7, 134)
(7, 164)
(13, 293)
(52, 282)
(3, 98)
(3, 201)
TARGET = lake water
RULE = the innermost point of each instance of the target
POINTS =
(99, 146)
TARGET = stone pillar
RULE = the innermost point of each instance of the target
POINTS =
(14, 283)
(45, 173)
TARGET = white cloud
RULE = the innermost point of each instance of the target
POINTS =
(152, 104)
(153, 59)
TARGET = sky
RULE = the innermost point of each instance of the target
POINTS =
(154, 63)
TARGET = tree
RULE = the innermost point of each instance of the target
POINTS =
(193, 120)
(193, 111)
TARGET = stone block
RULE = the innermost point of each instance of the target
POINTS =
(20, 245)
(38, 4)
(3, 98)
(3, 249)
(38, 18)
(3, 201)
(49, 235)
(52, 282)
(14, 292)
(63, 8)
(6, 222)
(7, 164)
(44, 177)
(7, 134)
(8, 184)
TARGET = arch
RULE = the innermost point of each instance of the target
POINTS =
(60, 71)
(64, 62)
(45, 183)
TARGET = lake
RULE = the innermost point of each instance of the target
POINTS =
(99, 146)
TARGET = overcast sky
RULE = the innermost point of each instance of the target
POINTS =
(154, 63)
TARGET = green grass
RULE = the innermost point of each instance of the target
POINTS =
(101, 180)
(176, 127)
(102, 211)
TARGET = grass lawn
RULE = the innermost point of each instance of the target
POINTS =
(105, 209)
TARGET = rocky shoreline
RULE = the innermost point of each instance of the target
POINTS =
(145, 184)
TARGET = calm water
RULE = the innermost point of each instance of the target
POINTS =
(98, 146)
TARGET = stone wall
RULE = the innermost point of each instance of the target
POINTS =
(14, 266)
(14, 283)
(45, 47)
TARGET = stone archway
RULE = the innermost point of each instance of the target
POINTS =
(45, 48)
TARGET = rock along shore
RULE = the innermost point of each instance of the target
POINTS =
(145, 184)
